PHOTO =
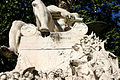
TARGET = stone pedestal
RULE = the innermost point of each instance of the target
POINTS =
(78, 56)
(46, 53)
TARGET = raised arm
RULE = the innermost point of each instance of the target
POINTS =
(62, 13)
(54, 9)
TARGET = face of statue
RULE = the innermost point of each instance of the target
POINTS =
(44, 75)
(16, 75)
(59, 71)
(26, 74)
(3, 77)
(37, 77)
(30, 75)
(63, 4)
(99, 72)
(51, 75)
(40, 73)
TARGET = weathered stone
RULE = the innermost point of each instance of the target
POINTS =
(58, 49)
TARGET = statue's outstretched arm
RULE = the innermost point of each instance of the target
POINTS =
(55, 9)
(59, 12)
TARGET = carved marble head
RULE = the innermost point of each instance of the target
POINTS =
(51, 75)
(99, 71)
(3, 76)
(65, 4)
(16, 75)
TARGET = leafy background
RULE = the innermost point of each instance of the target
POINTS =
(91, 10)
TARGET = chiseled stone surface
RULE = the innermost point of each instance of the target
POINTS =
(48, 52)
(65, 53)
(84, 59)
(55, 40)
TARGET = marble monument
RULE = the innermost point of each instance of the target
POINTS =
(57, 48)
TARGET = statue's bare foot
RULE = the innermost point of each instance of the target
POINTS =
(67, 28)
(44, 32)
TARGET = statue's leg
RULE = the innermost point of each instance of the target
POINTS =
(14, 35)
(44, 19)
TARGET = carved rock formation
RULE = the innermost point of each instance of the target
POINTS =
(63, 55)
(75, 55)
(85, 60)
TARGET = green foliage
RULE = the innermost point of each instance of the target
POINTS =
(97, 10)
(113, 41)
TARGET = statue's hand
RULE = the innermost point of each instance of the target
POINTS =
(69, 19)
(68, 15)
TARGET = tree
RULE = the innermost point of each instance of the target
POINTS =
(97, 10)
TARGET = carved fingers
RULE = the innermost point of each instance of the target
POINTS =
(70, 16)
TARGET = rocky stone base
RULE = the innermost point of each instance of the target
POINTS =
(85, 60)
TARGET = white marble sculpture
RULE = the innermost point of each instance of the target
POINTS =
(58, 49)
(48, 19)
(14, 35)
